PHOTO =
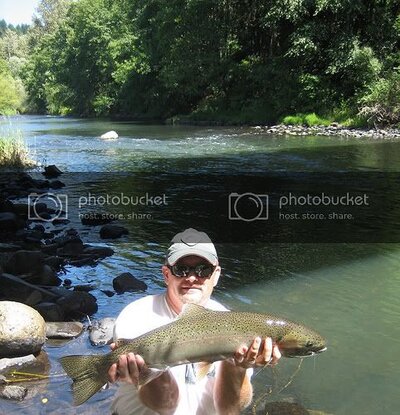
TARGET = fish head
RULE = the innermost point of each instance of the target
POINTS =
(301, 342)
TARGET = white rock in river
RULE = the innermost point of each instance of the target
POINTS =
(22, 329)
(109, 135)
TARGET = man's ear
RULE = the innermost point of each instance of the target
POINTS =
(165, 272)
(217, 274)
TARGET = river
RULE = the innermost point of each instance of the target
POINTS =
(341, 276)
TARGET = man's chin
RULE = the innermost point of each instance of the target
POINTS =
(192, 296)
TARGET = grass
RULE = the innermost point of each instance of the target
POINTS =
(14, 153)
(305, 119)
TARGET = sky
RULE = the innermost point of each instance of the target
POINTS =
(17, 11)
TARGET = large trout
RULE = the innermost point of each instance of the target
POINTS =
(198, 335)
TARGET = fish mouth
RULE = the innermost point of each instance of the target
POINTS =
(305, 352)
(316, 351)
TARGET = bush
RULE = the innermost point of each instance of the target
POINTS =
(381, 104)
(305, 119)
(14, 153)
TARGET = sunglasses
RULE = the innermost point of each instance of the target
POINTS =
(201, 270)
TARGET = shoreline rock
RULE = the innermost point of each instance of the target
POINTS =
(22, 329)
(334, 130)
(34, 251)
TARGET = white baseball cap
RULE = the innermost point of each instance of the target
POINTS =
(191, 242)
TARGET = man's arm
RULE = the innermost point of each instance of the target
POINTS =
(161, 394)
(233, 390)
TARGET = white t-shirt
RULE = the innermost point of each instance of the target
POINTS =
(141, 316)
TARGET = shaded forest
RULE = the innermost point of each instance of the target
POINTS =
(228, 61)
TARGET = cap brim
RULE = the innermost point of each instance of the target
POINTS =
(176, 256)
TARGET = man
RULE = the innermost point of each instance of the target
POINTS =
(191, 271)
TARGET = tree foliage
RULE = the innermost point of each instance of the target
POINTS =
(217, 59)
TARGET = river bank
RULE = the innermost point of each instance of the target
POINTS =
(335, 129)
(326, 131)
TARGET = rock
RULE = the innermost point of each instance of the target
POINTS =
(78, 304)
(108, 293)
(109, 135)
(50, 311)
(127, 282)
(16, 289)
(85, 287)
(82, 262)
(55, 262)
(73, 247)
(22, 329)
(47, 276)
(9, 222)
(5, 247)
(21, 209)
(102, 331)
(56, 184)
(63, 330)
(25, 262)
(8, 363)
(13, 392)
(52, 171)
(113, 231)
(98, 251)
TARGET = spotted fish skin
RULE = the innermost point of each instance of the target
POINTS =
(198, 335)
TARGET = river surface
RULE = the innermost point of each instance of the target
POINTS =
(343, 283)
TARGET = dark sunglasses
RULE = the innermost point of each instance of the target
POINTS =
(201, 270)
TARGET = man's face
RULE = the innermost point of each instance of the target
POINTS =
(191, 288)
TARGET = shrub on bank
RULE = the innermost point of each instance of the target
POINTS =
(380, 106)
(14, 153)
(305, 119)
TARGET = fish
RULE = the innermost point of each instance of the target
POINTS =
(197, 335)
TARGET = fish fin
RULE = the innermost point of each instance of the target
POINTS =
(193, 310)
(202, 368)
(150, 374)
(85, 374)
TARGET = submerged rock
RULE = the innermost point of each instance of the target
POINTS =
(22, 329)
(113, 231)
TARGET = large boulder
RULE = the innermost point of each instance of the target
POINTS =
(127, 282)
(22, 329)
(25, 262)
(109, 135)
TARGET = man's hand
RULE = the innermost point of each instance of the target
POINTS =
(161, 394)
(260, 353)
(127, 369)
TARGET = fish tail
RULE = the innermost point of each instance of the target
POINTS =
(85, 374)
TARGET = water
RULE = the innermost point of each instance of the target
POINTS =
(347, 291)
